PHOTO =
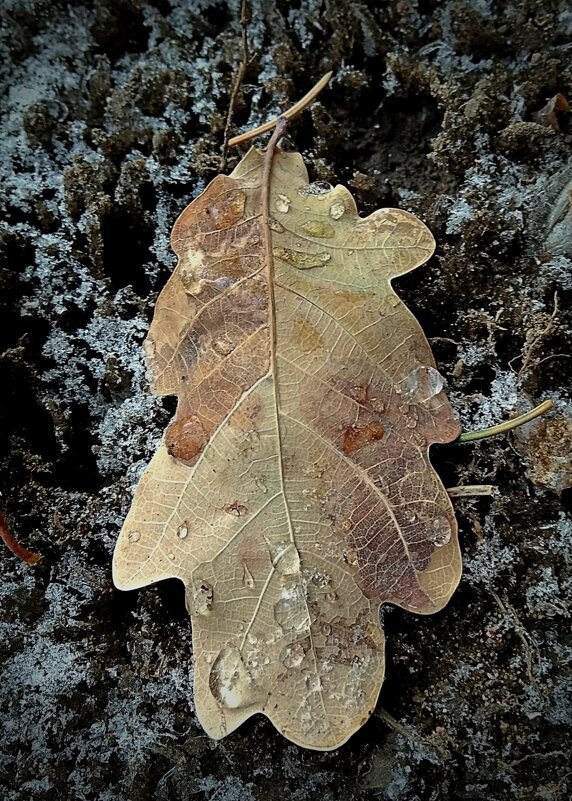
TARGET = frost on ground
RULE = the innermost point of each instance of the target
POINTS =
(113, 118)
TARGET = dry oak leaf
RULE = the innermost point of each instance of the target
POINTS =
(292, 493)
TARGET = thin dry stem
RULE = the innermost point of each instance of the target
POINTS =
(239, 78)
(411, 734)
(471, 491)
(502, 428)
(293, 112)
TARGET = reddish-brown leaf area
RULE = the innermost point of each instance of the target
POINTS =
(185, 439)
(357, 437)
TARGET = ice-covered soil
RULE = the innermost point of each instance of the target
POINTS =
(112, 120)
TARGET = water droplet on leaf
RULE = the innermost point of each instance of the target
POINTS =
(282, 203)
(261, 485)
(293, 655)
(202, 598)
(230, 681)
(320, 579)
(423, 383)
(236, 509)
(134, 536)
(285, 559)
(317, 228)
(440, 531)
(223, 346)
(190, 282)
(182, 531)
(185, 438)
(300, 260)
(337, 210)
(410, 415)
(291, 611)
(247, 578)
(357, 437)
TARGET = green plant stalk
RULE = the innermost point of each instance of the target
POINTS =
(502, 428)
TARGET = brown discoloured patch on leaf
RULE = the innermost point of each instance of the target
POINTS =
(357, 437)
(307, 337)
(185, 439)
(297, 464)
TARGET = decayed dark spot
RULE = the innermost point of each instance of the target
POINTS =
(236, 508)
(186, 438)
(357, 437)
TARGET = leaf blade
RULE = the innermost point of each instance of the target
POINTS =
(286, 484)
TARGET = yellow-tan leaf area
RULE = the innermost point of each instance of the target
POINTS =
(292, 493)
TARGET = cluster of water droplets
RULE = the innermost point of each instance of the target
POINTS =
(317, 189)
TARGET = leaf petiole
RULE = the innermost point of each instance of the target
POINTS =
(501, 428)
(296, 109)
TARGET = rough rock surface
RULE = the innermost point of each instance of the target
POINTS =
(112, 120)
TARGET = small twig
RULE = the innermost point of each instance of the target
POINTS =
(410, 734)
(529, 349)
(18, 550)
(471, 491)
(554, 356)
(296, 109)
(526, 757)
(520, 631)
(502, 428)
(239, 78)
(448, 340)
(394, 724)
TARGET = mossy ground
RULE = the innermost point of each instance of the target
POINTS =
(114, 115)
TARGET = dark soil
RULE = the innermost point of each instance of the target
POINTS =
(114, 114)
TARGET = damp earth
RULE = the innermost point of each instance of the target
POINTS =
(113, 119)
